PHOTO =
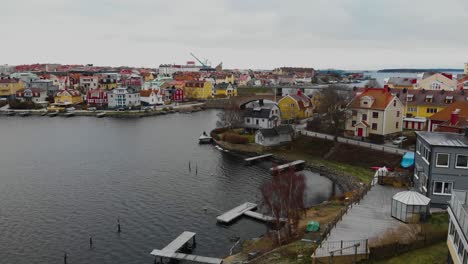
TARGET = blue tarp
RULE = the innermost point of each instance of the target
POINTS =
(408, 160)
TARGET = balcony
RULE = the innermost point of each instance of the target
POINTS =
(459, 207)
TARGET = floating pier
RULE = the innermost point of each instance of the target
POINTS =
(252, 159)
(171, 250)
(244, 209)
(297, 165)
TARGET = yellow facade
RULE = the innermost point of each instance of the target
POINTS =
(290, 109)
(64, 98)
(108, 86)
(393, 86)
(423, 110)
(204, 92)
(10, 87)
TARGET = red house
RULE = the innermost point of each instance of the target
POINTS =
(176, 94)
(97, 97)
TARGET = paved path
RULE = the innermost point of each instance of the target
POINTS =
(385, 148)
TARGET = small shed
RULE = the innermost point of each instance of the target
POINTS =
(410, 206)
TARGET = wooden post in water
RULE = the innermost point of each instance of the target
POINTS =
(189, 167)
(65, 258)
(118, 226)
(90, 242)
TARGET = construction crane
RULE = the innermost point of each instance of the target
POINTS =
(204, 64)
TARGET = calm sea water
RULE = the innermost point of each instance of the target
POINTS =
(62, 180)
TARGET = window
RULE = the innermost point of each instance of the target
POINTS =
(462, 162)
(448, 99)
(423, 182)
(291, 105)
(451, 229)
(418, 147)
(375, 114)
(397, 124)
(442, 188)
(354, 112)
(374, 126)
(431, 110)
(412, 109)
(353, 123)
(256, 121)
(248, 120)
(398, 114)
(365, 102)
(364, 117)
(442, 160)
(428, 99)
(435, 86)
(426, 154)
(394, 102)
(409, 98)
(461, 248)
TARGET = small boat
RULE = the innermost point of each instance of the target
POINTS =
(10, 113)
(24, 113)
(53, 114)
(102, 114)
(205, 139)
(69, 114)
(44, 114)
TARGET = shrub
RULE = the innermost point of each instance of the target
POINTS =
(235, 139)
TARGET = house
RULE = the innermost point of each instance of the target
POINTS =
(462, 83)
(457, 242)
(97, 98)
(454, 118)
(89, 82)
(225, 89)
(296, 106)
(35, 95)
(198, 89)
(441, 161)
(9, 86)
(122, 97)
(437, 81)
(275, 136)
(134, 82)
(68, 96)
(175, 94)
(374, 112)
(108, 81)
(47, 85)
(465, 71)
(244, 79)
(401, 83)
(151, 97)
(259, 115)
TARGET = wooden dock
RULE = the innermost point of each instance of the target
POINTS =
(234, 213)
(252, 159)
(171, 250)
(297, 165)
(262, 217)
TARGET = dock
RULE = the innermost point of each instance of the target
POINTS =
(262, 217)
(247, 210)
(297, 165)
(252, 159)
(171, 250)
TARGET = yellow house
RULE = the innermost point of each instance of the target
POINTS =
(9, 86)
(68, 97)
(295, 106)
(224, 89)
(198, 90)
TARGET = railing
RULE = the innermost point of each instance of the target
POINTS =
(458, 200)
(342, 248)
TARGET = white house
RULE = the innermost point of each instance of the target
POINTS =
(262, 115)
(151, 97)
(274, 136)
(34, 95)
(89, 82)
(122, 97)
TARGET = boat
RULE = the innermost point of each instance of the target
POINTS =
(205, 139)
(24, 114)
(69, 114)
(10, 113)
(44, 114)
(102, 114)
(53, 114)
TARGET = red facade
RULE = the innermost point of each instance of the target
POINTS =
(178, 95)
(97, 97)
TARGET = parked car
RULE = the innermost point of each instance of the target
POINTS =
(92, 108)
(121, 109)
(399, 140)
(70, 109)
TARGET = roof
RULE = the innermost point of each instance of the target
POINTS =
(446, 113)
(146, 93)
(257, 112)
(276, 131)
(302, 100)
(411, 198)
(71, 92)
(401, 81)
(382, 97)
(444, 139)
(9, 80)
(418, 97)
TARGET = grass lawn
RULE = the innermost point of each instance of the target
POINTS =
(436, 253)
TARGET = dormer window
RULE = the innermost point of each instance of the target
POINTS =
(435, 86)
(449, 99)
(410, 98)
(429, 98)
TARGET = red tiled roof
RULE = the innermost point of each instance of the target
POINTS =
(382, 97)
(445, 114)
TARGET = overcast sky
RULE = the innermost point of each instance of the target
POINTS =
(260, 34)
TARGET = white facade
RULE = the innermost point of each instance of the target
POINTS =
(170, 69)
(122, 98)
(154, 98)
(89, 82)
(258, 117)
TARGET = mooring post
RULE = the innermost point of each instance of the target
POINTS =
(194, 242)
(189, 167)
(65, 258)
(118, 226)
(196, 169)
(90, 242)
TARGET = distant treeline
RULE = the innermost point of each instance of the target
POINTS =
(420, 70)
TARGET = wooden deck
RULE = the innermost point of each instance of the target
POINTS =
(234, 213)
(288, 165)
(179, 242)
(252, 159)
(262, 217)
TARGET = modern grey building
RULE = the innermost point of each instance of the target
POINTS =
(45, 85)
(441, 165)
(457, 242)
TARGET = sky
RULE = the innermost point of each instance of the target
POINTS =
(255, 34)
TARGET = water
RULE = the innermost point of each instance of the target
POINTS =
(64, 179)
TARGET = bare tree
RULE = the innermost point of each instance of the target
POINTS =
(232, 116)
(283, 197)
(331, 104)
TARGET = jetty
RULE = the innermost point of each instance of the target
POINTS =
(297, 165)
(252, 159)
(247, 210)
(182, 241)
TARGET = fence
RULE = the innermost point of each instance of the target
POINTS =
(354, 142)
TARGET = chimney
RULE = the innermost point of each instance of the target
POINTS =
(454, 117)
(386, 88)
(299, 92)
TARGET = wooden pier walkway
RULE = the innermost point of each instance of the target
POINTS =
(252, 159)
(244, 209)
(170, 251)
(295, 164)
(262, 217)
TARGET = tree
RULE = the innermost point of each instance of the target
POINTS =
(283, 197)
(231, 116)
(331, 104)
